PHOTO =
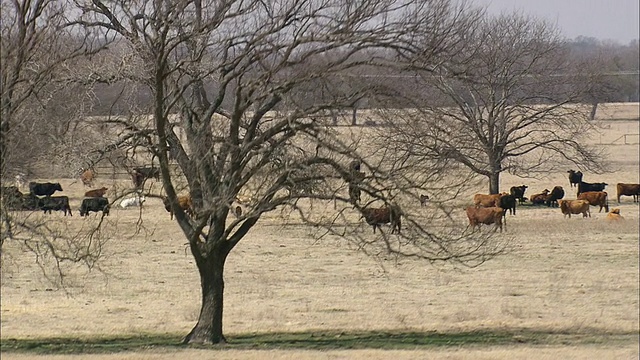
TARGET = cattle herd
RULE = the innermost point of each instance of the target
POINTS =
(487, 209)
(492, 208)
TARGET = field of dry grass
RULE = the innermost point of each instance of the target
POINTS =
(575, 276)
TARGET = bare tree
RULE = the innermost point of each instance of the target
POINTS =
(508, 100)
(224, 78)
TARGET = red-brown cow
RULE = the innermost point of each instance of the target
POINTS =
(487, 216)
(542, 198)
(628, 190)
(614, 215)
(96, 192)
(596, 198)
(384, 215)
(485, 200)
(568, 207)
(88, 176)
(184, 201)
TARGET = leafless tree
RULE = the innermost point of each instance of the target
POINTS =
(508, 100)
(225, 78)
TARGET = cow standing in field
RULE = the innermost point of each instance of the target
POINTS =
(596, 198)
(556, 194)
(575, 178)
(95, 204)
(585, 187)
(384, 215)
(88, 177)
(44, 189)
(628, 190)
(57, 203)
(518, 192)
(140, 174)
(487, 216)
(487, 200)
(568, 207)
(508, 202)
(184, 202)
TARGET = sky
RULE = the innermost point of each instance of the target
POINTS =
(601, 19)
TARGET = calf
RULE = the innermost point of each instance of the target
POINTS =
(58, 203)
(584, 187)
(384, 215)
(87, 177)
(518, 192)
(508, 202)
(614, 215)
(96, 193)
(94, 204)
(596, 198)
(44, 189)
(575, 177)
(556, 194)
(568, 207)
(538, 199)
(487, 216)
(184, 201)
(132, 201)
(628, 190)
(486, 200)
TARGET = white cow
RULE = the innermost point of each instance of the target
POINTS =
(132, 201)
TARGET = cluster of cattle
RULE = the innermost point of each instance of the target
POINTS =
(491, 209)
(40, 198)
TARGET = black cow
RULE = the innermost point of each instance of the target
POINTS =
(140, 174)
(518, 192)
(575, 177)
(31, 202)
(584, 187)
(44, 189)
(95, 204)
(556, 194)
(58, 203)
(508, 202)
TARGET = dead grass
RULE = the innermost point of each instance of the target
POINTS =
(579, 276)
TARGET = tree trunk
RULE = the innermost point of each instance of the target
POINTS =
(354, 116)
(208, 330)
(594, 108)
(494, 183)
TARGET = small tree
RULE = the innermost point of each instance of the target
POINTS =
(225, 79)
(506, 100)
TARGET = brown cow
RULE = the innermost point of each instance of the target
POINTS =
(614, 215)
(96, 192)
(596, 198)
(87, 177)
(487, 216)
(184, 201)
(484, 200)
(628, 190)
(384, 215)
(542, 198)
(569, 207)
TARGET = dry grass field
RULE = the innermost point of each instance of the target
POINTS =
(575, 277)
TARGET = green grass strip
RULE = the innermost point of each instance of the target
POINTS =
(322, 340)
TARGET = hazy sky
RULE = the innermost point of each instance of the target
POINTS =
(601, 19)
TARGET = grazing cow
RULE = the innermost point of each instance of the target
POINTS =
(424, 199)
(556, 194)
(44, 189)
(57, 203)
(628, 190)
(596, 198)
(87, 177)
(539, 199)
(568, 207)
(140, 174)
(132, 201)
(584, 187)
(184, 201)
(12, 197)
(575, 177)
(518, 192)
(614, 215)
(96, 192)
(94, 204)
(487, 216)
(384, 215)
(508, 202)
(485, 200)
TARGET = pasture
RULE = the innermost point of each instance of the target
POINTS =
(573, 281)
